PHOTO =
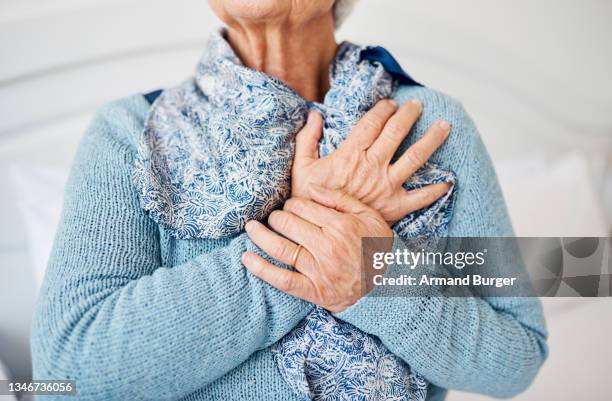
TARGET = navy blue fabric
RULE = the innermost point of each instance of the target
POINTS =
(151, 96)
(382, 55)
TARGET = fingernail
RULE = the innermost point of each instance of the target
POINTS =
(310, 116)
(445, 126)
(273, 217)
(244, 258)
(249, 226)
(392, 102)
(417, 103)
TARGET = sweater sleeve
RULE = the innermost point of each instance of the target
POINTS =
(124, 327)
(493, 346)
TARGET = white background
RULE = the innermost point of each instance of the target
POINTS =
(535, 75)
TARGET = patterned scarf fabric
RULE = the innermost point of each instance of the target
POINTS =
(216, 152)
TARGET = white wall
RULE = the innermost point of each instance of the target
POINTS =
(535, 75)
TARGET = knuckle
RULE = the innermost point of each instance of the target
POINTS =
(375, 159)
(280, 251)
(415, 157)
(295, 205)
(346, 223)
(395, 130)
(362, 174)
(287, 283)
(327, 247)
(290, 204)
(350, 159)
(279, 220)
(373, 122)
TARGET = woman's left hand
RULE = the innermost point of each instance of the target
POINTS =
(362, 166)
(330, 230)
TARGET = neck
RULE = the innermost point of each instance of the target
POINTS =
(299, 56)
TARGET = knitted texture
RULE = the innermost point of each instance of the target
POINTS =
(217, 151)
(131, 312)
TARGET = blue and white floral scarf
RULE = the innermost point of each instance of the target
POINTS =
(216, 152)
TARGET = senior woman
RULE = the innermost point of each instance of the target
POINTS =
(147, 296)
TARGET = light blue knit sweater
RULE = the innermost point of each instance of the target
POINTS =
(132, 313)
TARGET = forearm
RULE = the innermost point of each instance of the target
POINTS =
(493, 345)
(161, 335)
(121, 324)
(458, 343)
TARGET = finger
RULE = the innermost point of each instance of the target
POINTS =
(307, 140)
(311, 211)
(338, 200)
(285, 280)
(295, 228)
(411, 201)
(396, 129)
(278, 247)
(418, 154)
(370, 126)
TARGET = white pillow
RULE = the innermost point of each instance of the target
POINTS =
(39, 190)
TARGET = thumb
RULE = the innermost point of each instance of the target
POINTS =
(338, 200)
(307, 140)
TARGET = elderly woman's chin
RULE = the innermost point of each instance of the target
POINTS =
(265, 10)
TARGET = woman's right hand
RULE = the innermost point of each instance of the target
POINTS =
(322, 239)
(361, 167)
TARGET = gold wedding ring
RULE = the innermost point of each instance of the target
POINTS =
(296, 253)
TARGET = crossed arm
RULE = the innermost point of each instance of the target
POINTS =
(126, 327)
(108, 308)
(493, 346)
